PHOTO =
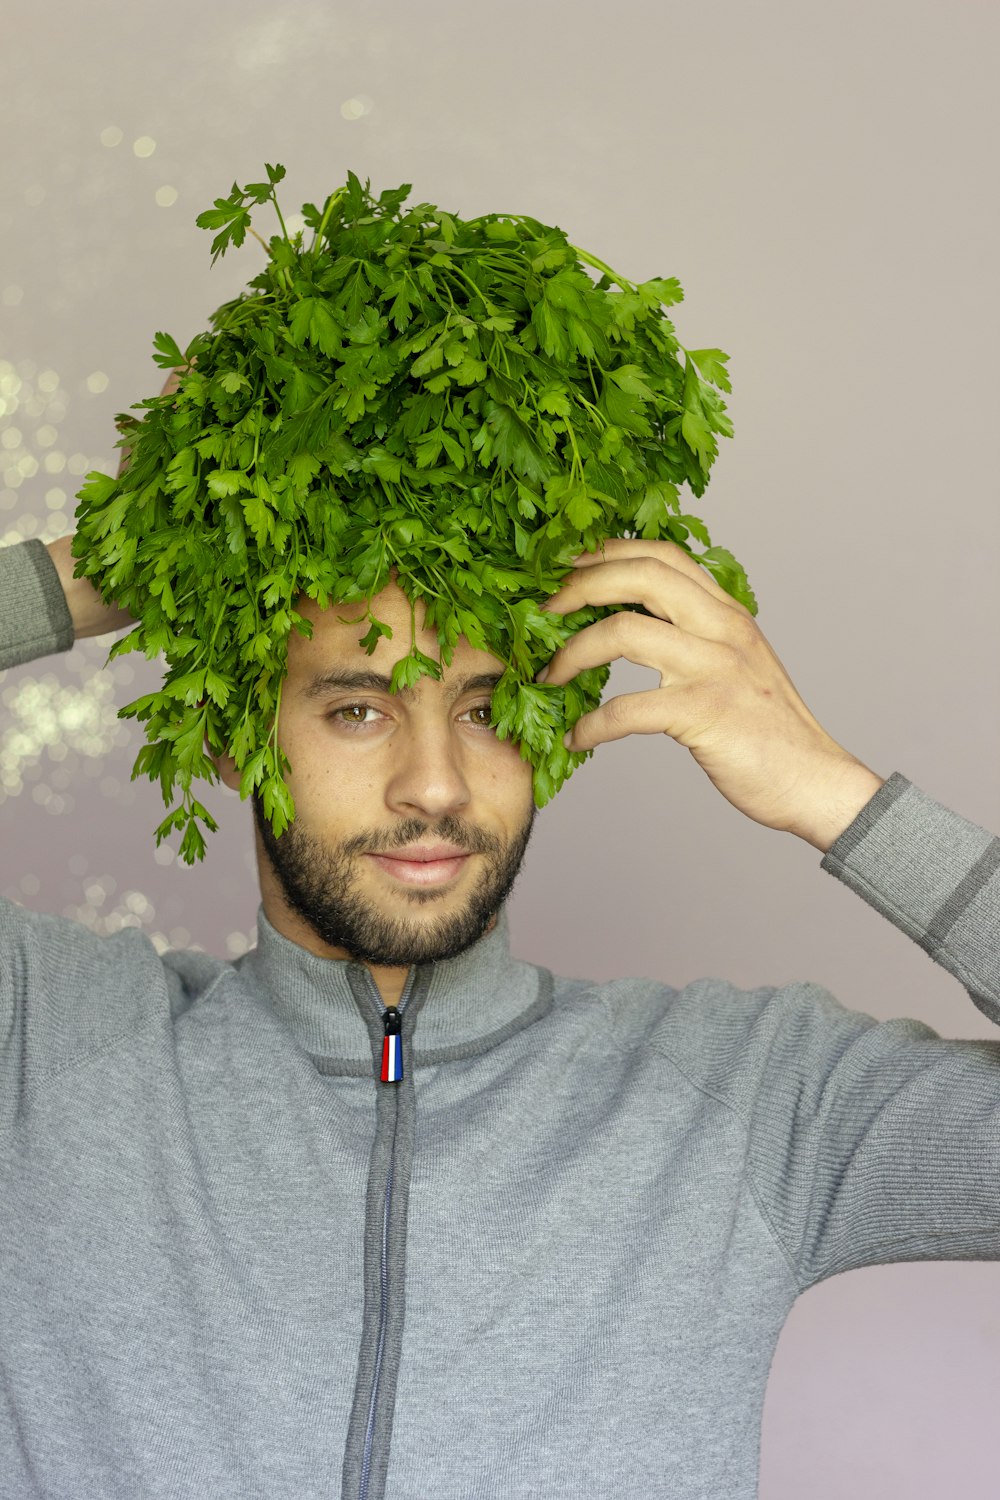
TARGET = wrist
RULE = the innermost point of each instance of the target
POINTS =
(843, 798)
(88, 611)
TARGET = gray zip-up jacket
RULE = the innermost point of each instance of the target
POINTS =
(552, 1263)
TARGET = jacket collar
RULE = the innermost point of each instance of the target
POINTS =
(453, 1008)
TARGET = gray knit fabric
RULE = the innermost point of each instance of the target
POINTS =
(34, 616)
(552, 1263)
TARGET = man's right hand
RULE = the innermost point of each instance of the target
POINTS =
(91, 616)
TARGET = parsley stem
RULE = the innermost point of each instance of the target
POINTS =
(593, 382)
(328, 209)
(503, 353)
(592, 408)
(277, 709)
(274, 200)
(446, 595)
(577, 466)
(256, 436)
(591, 260)
(457, 271)
(388, 547)
(218, 621)
(251, 230)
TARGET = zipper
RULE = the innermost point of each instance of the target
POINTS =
(391, 1072)
(366, 1461)
(392, 1047)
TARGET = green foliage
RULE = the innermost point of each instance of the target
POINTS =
(454, 399)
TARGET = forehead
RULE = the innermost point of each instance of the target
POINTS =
(333, 659)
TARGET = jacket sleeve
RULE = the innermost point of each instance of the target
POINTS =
(34, 616)
(66, 996)
(875, 1142)
(52, 969)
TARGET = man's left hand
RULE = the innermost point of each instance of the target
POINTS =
(723, 692)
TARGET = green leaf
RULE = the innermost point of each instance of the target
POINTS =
(169, 355)
(371, 639)
(192, 844)
(253, 774)
(513, 444)
(629, 378)
(177, 819)
(227, 482)
(695, 424)
(501, 230)
(302, 469)
(667, 290)
(729, 574)
(217, 687)
(554, 399)
(581, 510)
(711, 365)
(279, 807)
(410, 668)
(653, 513)
(227, 212)
(232, 381)
(97, 490)
(312, 321)
(258, 518)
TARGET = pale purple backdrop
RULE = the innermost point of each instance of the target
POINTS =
(822, 179)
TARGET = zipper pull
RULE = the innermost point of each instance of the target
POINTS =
(392, 1047)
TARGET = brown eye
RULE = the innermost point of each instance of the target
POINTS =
(336, 717)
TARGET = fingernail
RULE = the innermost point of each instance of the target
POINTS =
(566, 740)
(541, 676)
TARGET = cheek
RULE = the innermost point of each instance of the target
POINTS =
(322, 773)
(511, 778)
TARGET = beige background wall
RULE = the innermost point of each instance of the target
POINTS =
(822, 179)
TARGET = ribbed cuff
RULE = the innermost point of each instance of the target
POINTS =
(34, 616)
(932, 873)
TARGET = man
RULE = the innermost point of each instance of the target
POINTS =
(380, 1210)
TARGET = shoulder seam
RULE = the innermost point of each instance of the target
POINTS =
(748, 1173)
(108, 1045)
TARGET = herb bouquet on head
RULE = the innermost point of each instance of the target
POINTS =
(454, 399)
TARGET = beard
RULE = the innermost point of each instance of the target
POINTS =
(321, 884)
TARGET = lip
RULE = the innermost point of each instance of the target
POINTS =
(416, 853)
(421, 871)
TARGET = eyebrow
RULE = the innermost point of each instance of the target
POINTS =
(362, 681)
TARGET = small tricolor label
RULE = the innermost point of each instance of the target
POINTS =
(392, 1048)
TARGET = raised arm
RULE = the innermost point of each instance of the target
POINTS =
(61, 991)
(89, 613)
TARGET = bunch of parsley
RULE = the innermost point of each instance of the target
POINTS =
(456, 399)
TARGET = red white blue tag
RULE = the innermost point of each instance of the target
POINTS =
(392, 1048)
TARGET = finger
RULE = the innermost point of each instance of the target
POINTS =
(628, 713)
(636, 638)
(667, 593)
(625, 548)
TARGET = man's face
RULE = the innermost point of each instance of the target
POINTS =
(372, 772)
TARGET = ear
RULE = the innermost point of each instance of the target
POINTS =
(225, 764)
(226, 767)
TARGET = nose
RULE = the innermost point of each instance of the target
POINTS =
(429, 772)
